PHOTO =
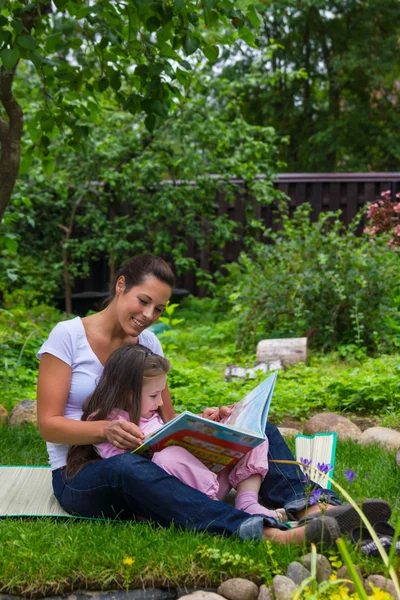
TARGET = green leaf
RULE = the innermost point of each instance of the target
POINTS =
(254, 17)
(211, 53)
(179, 4)
(153, 23)
(9, 58)
(182, 78)
(209, 4)
(47, 123)
(11, 245)
(103, 84)
(132, 103)
(186, 65)
(26, 41)
(160, 108)
(190, 44)
(150, 122)
(247, 36)
(115, 82)
(142, 71)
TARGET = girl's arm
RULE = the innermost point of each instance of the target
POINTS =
(53, 388)
(167, 410)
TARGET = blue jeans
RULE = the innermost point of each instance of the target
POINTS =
(128, 486)
(284, 484)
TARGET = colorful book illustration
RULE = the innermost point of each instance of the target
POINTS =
(320, 449)
(218, 445)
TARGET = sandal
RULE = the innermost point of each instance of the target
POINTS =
(348, 518)
(324, 530)
(384, 530)
(361, 537)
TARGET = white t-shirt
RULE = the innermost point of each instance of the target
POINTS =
(68, 342)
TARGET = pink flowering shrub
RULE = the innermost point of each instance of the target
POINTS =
(383, 217)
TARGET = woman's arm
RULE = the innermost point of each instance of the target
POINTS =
(167, 410)
(54, 382)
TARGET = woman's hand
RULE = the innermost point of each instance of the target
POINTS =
(124, 434)
(217, 413)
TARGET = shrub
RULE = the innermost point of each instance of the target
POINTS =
(317, 280)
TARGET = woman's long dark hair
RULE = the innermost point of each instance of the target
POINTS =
(119, 387)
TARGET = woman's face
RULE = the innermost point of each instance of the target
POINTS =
(142, 305)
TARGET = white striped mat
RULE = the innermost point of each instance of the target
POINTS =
(28, 492)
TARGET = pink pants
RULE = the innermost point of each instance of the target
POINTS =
(186, 467)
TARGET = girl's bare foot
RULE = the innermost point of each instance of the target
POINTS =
(324, 529)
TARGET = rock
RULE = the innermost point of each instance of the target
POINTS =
(323, 422)
(390, 438)
(297, 572)
(238, 589)
(3, 415)
(264, 593)
(380, 582)
(284, 587)
(398, 458)
(324, 569)
(202, 595)
(251, 373)
(288, 431)
(289, 351)
(23, 413)
(344, 574)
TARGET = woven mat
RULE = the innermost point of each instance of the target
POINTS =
(28, 492)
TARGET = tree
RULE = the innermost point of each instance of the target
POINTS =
(341, 113)
(132, 192)
(81, 49)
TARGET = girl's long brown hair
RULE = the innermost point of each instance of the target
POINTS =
(119, 387)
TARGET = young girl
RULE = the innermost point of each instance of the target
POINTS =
(130, 389)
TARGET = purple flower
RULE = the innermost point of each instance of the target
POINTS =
(324, 468)
(315, 497)
(349, 474)
(305, 462)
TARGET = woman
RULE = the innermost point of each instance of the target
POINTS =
(128, 486)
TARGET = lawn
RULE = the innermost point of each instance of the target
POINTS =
(39, 557)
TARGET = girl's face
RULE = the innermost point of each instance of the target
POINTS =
(142, 305)
(151, 395)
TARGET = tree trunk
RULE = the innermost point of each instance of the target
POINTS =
(10, 139)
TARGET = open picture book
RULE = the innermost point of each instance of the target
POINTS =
(218, 444)
(320, 449)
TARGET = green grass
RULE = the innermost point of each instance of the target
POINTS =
(44, 556)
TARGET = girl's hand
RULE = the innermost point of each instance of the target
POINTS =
(217, 414)
(124, 434)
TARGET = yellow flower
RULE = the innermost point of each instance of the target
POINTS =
(128, 561)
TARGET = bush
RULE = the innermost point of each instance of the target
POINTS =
(317, 280)
(22, 331)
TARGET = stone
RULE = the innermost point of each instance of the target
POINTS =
(284, 587)
(288, 431)
(238, 589)
(344, 574)
(324, 569)
(323, 422)
(380, 582)
(202, 595)
(3, 415)
(23, 413)
(389, 438)
(250, 373)
(297, 572)
(264, 593)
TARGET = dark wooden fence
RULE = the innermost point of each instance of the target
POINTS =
(346, 192)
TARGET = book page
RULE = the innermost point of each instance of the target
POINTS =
(251, 412)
